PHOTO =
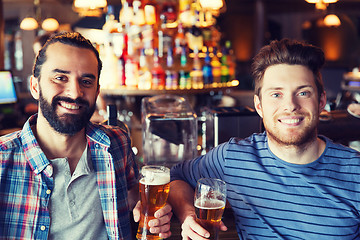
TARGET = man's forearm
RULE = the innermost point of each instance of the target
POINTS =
(181, 198)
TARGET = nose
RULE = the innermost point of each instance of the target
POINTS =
(290, 103)
(74, 89)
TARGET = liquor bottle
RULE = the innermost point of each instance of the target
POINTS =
(171, 75)
(110, 72)
(184, 74)
(180, 40)
(185, 12)
(207, 70)
(168, 11)
(225, 77)
(157, 72)
(231, 59)
(194, 37)
(122, 58)
(135, 28)
(196, 73)
(151, 12)
(149, 29)
(109, 58)
(110, 25)
(164, 37)
(131, 72)
(216, 67)
(145, 77)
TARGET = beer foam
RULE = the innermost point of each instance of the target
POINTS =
(154, 177)
(209, 203)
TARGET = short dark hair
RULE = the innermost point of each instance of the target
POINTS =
(69, 38)
(41, 39)
(287, 51)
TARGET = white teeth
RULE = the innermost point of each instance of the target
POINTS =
(290, 121)
(69, 106)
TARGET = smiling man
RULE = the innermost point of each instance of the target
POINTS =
(61, 176)
(287, 182)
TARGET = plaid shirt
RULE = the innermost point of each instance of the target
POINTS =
(26, 182)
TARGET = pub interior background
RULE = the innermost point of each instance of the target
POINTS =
(246, 24)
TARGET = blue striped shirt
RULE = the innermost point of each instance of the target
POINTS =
(26, 181)
(274, 199)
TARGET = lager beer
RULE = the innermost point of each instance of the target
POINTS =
(209, 203)
(208, 215)
(154, 190)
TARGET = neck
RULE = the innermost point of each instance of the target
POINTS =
(57, 145)
(298, 154)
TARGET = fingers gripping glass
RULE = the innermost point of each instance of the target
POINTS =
(154, 190)
(209, 201)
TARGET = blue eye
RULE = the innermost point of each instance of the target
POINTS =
(275, 95)
(304, 93)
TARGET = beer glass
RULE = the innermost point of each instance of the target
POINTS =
(209, 202)
(154, 190)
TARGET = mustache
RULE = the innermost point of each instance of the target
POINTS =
(78, 101)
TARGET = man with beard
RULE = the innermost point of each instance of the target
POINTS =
(288, 182)
(61, 176)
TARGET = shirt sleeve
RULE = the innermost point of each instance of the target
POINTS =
(210, 165)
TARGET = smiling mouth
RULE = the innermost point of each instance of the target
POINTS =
(290, 121)
(70, 106)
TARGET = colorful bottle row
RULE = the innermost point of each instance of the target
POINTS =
(175, 57)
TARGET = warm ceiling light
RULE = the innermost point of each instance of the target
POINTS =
(91, 4)
(321, 4)
(29, 23)
(332, 20)
(50, 24)
(324, 1)
(212, 4)
(90, 7)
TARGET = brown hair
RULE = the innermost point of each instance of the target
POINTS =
(292, 52)
(70, 38)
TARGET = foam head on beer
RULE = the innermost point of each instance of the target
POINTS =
(155, 176)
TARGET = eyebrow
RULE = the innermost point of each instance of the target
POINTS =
(56, 70)
(298, 88)
(88, 75)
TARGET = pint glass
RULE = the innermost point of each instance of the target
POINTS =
(209, 201)
(154, 190)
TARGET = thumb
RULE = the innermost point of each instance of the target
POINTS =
(136, 212)
(223, 227)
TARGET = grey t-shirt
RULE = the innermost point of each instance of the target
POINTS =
(75, 207)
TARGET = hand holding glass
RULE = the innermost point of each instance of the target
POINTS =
(209, 202)
(154, 190)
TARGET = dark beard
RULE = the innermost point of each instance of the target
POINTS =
(67, 124)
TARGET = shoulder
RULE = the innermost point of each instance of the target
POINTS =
(254, 146)
(254, 141)
(112, 136)
(11, 148)
(339, 150)
(10, 141)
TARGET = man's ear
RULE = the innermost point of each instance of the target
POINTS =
(322, 102)
(257, 105)
(34, 87)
